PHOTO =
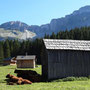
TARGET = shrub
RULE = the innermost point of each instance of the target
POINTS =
(82, 78)
(71, 79)
(89, 76)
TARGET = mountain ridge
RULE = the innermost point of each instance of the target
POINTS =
(79, 18)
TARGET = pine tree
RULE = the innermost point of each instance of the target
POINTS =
(16, 47)
(45, 36)
(1, 52)
(23, 48)
(11, 47)
(58, 35)
(48, 37)
(71, 34)
(53, 36)
(6, 49)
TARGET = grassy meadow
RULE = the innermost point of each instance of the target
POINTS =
(68, 85)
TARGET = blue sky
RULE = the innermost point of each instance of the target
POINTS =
(37, 12)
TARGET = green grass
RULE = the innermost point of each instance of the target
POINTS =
(55, 85)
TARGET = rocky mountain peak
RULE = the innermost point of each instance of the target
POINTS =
(84, 9)
(14, 25)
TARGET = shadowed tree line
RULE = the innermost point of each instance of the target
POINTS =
(12, 48)
(75, 34)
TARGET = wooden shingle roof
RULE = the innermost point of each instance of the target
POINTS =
(67, 44)
(27, 57)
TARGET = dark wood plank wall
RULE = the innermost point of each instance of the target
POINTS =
(44, 64)
(62, 63)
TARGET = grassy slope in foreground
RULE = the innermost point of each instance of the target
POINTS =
(69, 85)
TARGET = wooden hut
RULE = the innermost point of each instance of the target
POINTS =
(64, 58)
(27, 61)
(9, 61)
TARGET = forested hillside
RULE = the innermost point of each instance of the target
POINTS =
(10, 48)
(75, 34)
